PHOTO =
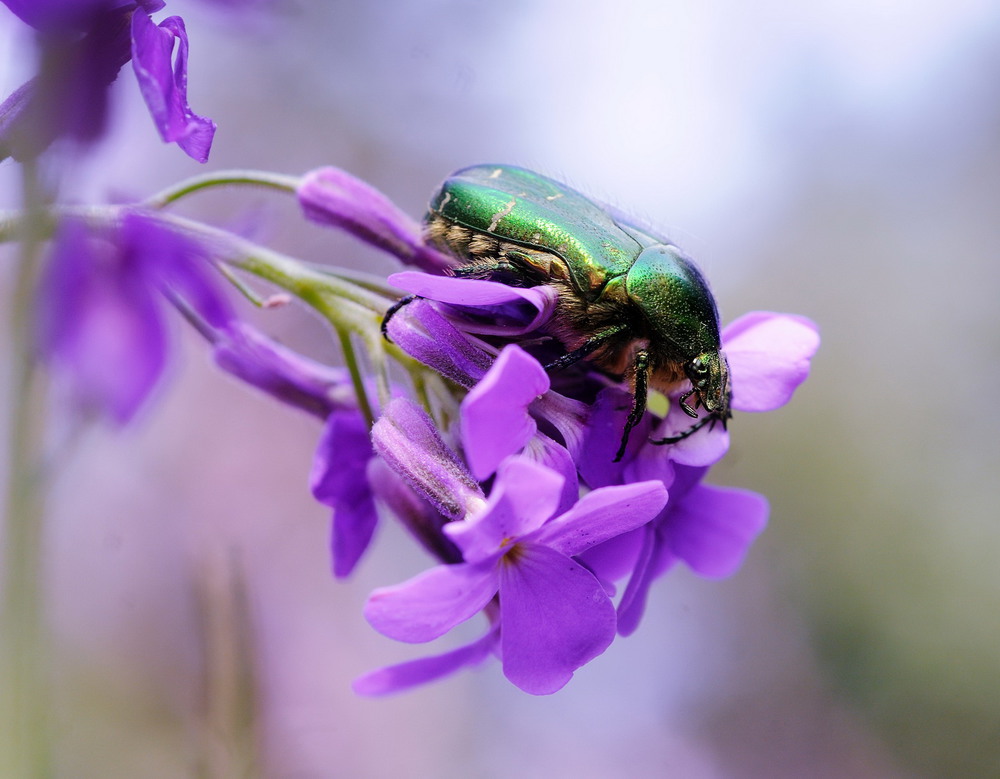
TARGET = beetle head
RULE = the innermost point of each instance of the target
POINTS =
(709, 375)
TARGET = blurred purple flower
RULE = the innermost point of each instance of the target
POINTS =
(83, 46)
(286, 375)
(100, 318)
(164, 88)
(331, 196)
(554, 615)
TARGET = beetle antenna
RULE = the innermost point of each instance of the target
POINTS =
(392, 311)
(711, 418)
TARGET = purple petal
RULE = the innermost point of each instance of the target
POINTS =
(615, 558)
(544, 451)
(651, 463)
(487, 306)
(433, 602)
(769, 358)
(554, 617)
(339, 480)
(603, 437)
(422, 332)
(494, 415)
(705, 447)
(653, 559)
(164, 85)
(712, 528)
(566, 415)
(524, 495)
(99, 321)
(407, 439)
(603, 514)
(424, 522)
(175, 262)
(397, 678)
(332, 196)
(248, 354)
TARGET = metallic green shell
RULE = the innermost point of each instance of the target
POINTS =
(664, 281)
(525, 208)
(517, 206)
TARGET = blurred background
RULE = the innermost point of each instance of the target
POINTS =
(836, 160)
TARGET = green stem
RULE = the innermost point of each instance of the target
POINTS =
(357, 379)
(229, 727)
(222, 178)
(25, 749)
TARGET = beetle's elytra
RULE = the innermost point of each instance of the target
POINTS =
(629, 301)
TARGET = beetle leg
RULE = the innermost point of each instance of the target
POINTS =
(684, 404)
(484, 267)
(711, 418)
(505, 269)
(392, 311)
(589, 346)
(641, 368)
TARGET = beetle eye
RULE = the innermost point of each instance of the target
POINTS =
(698, 365)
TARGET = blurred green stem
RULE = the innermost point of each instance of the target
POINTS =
(25, 749)
(223, 178)
(229, 723)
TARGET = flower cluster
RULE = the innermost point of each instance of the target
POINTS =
(505, 472)
(533, 521)
(513, 477)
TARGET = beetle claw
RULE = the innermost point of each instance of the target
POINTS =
(684, 404)
(392, 311)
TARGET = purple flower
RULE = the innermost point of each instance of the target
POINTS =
(483, 307)
(164, 88)
(407, 439)
(498, 416)
(404, 676)
(261, 362)
(709, 528)
(553, 614)
(100, 319)
(339, 479)
(84, 45)
(331, 196)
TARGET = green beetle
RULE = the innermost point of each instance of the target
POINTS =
(629, 301)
